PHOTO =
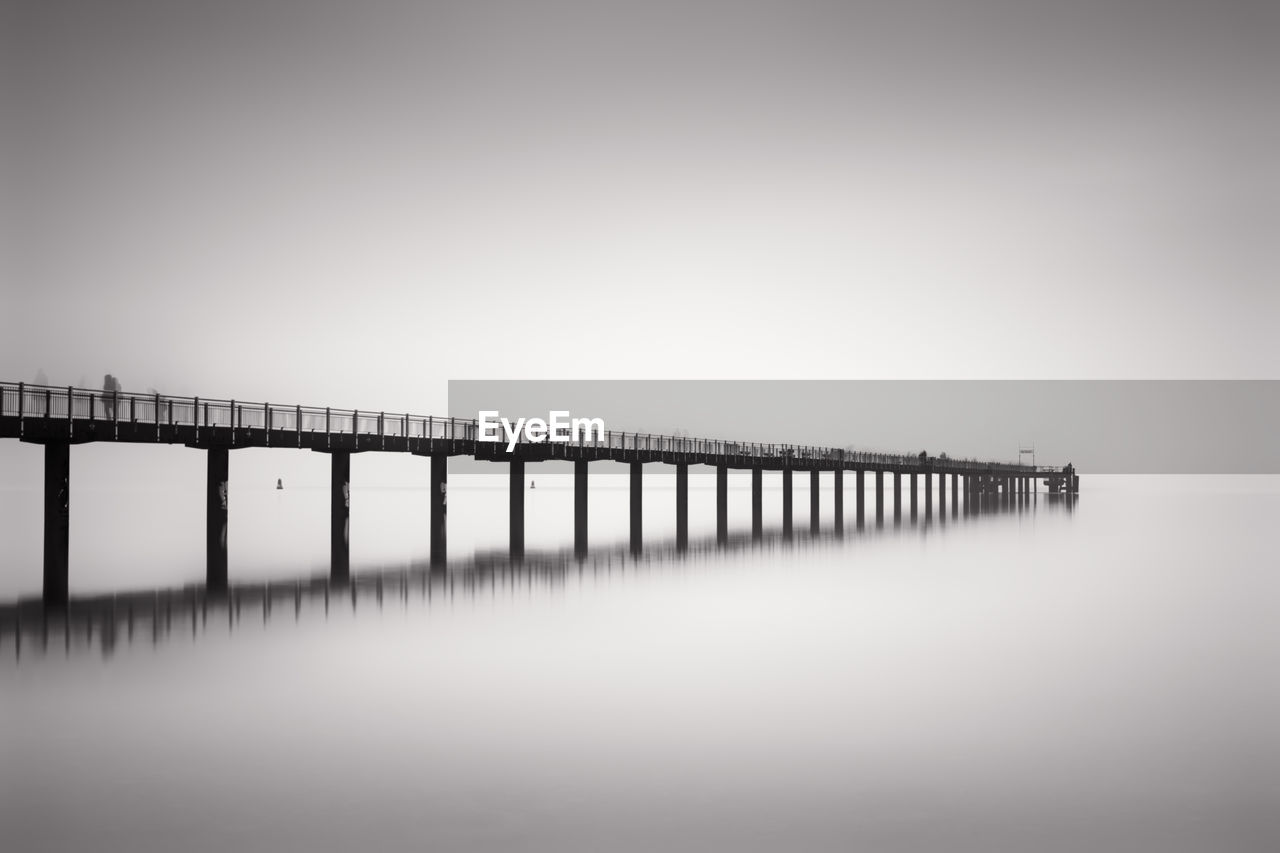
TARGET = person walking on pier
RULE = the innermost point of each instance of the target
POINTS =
(110, 388)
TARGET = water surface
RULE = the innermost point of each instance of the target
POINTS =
(1102, 677)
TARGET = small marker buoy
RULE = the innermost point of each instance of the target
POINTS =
(533, 484)
(279, 483)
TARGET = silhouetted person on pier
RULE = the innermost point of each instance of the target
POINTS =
(110, 388)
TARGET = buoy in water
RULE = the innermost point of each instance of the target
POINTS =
(533, 484)
(279, 483)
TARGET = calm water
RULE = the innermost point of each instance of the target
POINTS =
(1101, 679)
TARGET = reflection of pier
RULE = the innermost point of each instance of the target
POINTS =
(158, 615)
(60, 417)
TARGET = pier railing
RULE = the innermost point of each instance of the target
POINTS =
(23, 401)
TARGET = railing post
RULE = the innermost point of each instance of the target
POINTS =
(69, 411)
(328, 434)
(155, 415)
(22, 399)
(195, 416)
(266, 421)
(297, 423)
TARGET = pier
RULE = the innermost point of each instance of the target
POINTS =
(61, 417)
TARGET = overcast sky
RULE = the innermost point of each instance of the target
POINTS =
(350, 204)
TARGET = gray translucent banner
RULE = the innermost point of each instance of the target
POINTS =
(1102, 426)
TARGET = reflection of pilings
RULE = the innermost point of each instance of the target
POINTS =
(786, 501)
(637, 498)
(158, 615)
(757, 501)
(815, 520)
(722, 502)
(339, 514)
(682, 504)
(439, 508)
(515, 515)
(57, 521)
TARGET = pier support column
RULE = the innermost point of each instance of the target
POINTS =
(682, 506)
(439, 508)
(757, 503)
(814, 520)
(879, 497)
(637, 497)
(897, 497)
(942, 494)
(580, 507)
(839, 500)
(786, 501)
(215, 517)
(57, 522)
(913, 494)
(928, 497)
(722, 504)
(515, 489)
(860, 497)
(955, 491)
(339, 514)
